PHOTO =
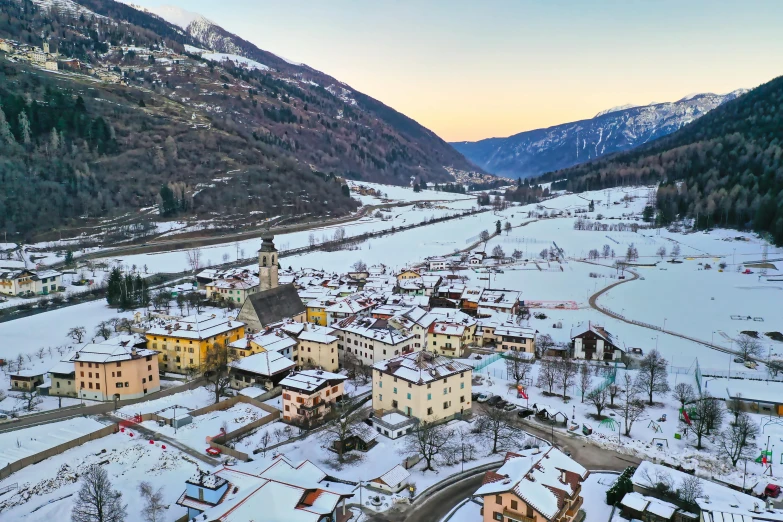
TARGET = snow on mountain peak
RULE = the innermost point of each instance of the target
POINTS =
(618, 108)
(173, 14)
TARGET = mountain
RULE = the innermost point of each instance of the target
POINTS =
(725, 169)
(535, 152)
(145, 119)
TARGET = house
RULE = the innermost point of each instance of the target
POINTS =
(448, 338)
(235, 289)
(360, 437)
(17, 282)
(265, 370)
(417, 321)
(476, 259)
(393, 481)
(47, 281)
(282, 492)
(356, 305)
(316, 310)
(431, 284)
(504, 301)
(533, 485)
(408, 274)
(515, 339)
(182, 343)
(273, 302)
(367, 340)
(273, 340)
(412, 287)
(438, 263)
(639, 507)
(119, 368)
(317, 348)
(470, 297)
(421, 385)
(27, 380)
(594, 343)
(63, 379)
(308, 395)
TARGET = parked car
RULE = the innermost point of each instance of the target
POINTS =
(772, 491)
(739, 360)
(484, 397)
(475, 395)
(494, 399)
(751, 364)
(525, 413)
(510, 406)
(500, 404)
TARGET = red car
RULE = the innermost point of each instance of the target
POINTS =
(772, 491)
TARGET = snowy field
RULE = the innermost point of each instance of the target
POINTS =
(46, 490)
(16, 445)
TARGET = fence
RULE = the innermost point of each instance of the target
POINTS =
(56, 450)
(486, 362)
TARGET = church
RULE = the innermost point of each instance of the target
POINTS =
(272, 303)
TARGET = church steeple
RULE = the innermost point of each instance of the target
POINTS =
(267, 263)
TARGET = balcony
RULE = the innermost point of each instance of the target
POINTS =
(516, 517)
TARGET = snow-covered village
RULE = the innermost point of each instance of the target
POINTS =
(565, 360)
(446, 284)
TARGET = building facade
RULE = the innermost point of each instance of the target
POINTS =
(308, 395)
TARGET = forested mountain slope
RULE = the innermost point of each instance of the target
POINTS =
(133, 123)
(724, 169)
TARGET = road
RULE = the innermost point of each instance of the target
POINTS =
(435, 507)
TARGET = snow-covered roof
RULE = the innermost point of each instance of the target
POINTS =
(63, 367)
(238, 283)
(515, 331)
(394, 477)
(311, 380)
(533, 477)
(499, 299)
(375, 330)
(116, 349)
(599, 331)
(200, 326)
(421, 367)
(443, 328)
(265, 363)
(317, 337)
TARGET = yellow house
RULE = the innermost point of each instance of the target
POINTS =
(534, 486)
(422, 385)
(451, 339)
(182, 343)
(316, 311)
(408, 274)
(317, 348)
(274, 341)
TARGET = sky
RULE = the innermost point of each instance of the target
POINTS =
(470, 70)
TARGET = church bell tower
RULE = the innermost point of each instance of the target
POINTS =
(267, 263)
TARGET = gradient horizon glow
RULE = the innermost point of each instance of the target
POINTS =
(473, 70)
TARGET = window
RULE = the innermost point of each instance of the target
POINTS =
(409, 396)
(445, 391)
(89, 385)
(89, 365)
(190, 350)
(119, 374)
(462, 398)
(495, 515)
(394, 404)
(429, 385)
(380, 396)
(82, 374)
(446, 405)
(81, 385)
(462, 386)
(395, 391)
(90, 375)
(143, 380)
(530, 512)
(149, 366)
(127, 385)
(429, 411)
(119, 364)
(499, 500)
(119, 385)
(380, 384)
(429, 396)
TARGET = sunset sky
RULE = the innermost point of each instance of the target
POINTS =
(473, 70)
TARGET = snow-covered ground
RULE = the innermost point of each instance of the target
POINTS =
(16, 445)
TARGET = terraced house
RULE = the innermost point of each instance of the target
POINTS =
(182, 343)
(368, 340)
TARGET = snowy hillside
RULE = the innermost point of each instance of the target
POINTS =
(620, 128)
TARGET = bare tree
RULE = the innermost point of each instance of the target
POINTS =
(748, 347)
(97, 501)
(566, 370)
(194, 259)
(653, 377)
(547, 374)
(507, 227)
(484, 238)
(217, 368)
(774, 366)
(311, 240)
(735, 441)
(543, 344)
(690, 489)
(427, 440)
(77, 333)
(29, 399)
(517, 254)
(359, 266)
(631, 405)
(661, 252)
(498, 253)
(40, 352)
(264, 442)
(518, 368)
(684, 393)
(676, 250)
(632, 254)
(154, 507)
(606, 250)
(734, 406)
(103, 330)
(598, 397)
(707, 416)
(495, 428)
(342, 428)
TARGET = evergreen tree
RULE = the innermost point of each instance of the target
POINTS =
(114, 287)
(497, 227)
(168, 205)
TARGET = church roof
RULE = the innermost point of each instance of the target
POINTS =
(276, 304)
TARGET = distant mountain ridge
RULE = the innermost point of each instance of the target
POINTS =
(535, 152)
